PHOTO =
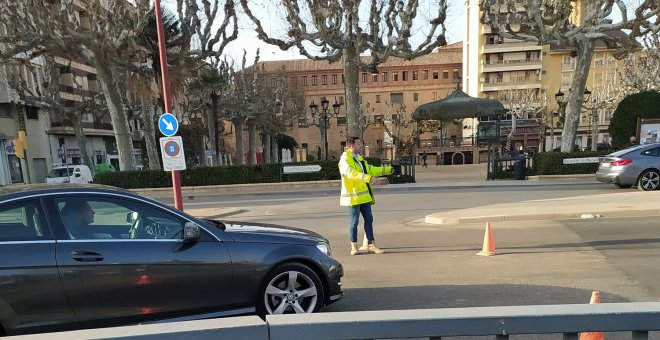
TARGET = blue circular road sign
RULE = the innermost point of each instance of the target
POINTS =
(168, 125)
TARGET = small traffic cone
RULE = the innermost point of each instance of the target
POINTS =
(144, 280)
(489, 245)
(595, 299)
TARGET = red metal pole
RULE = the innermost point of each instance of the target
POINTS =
(176, 181)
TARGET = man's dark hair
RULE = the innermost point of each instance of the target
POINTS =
(351, 140)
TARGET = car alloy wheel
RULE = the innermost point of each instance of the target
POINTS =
(291, 288)
(649, 180)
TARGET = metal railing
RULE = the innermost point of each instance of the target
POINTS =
(637, 318)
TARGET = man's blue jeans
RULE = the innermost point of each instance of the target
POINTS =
(354, 217)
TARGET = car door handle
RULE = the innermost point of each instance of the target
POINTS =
(86, 256)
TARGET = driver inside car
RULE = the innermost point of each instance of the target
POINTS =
(77, 216)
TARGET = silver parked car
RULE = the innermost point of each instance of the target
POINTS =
(638, 165)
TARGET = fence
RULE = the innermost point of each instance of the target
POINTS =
(637, 318)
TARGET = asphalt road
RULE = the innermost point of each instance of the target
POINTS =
(429, 266)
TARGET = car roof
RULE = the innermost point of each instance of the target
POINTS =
(12, 191)
(633, 148)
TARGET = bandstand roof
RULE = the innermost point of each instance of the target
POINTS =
(458, 105)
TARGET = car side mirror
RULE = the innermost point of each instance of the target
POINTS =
(191, 232)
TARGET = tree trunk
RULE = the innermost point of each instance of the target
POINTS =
(267, 141)
(350, 65)
(274, 150)
(149, 129)
(117, 113)
(252, 141)
(212, 119)
(323, 131)
(238, 127)
(585, 51)
(81, 139)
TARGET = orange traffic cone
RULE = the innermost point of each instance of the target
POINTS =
(595, 299)
(489, 245)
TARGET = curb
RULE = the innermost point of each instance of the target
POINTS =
(441, 220)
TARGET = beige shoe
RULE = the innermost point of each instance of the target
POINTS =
(354, 248)
(374, 250)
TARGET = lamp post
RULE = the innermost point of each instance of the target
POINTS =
(323, 115)
(561, 103)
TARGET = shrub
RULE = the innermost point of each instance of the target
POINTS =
(551, 163)
(624, 121)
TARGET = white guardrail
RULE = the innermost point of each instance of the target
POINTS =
(638, 318)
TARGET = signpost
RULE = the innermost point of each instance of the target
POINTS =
(170, 130)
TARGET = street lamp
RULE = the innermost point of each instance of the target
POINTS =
(559, 97)
(323, 114)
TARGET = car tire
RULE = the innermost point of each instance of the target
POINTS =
(622, 186)
(290, 288)
(649, 180)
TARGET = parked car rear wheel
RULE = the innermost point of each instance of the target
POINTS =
(649, 180)
(290, 288)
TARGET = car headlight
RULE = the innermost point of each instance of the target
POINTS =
(324, 248)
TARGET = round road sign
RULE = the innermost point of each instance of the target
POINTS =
(172, 148)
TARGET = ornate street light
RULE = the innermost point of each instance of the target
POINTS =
(323, 114)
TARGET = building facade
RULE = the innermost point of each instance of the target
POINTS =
(388, 99)
(494, 64)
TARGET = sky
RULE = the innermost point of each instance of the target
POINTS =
(248, 40)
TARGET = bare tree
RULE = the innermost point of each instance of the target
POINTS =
(105, 36)
(43, 91)
(576, 24)
(600, 98)
(523, 104)
(344, 30)
(641, 71)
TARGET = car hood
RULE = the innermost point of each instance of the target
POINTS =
(271, 233)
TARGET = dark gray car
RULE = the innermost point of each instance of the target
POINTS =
(90, 256)
(635, 166)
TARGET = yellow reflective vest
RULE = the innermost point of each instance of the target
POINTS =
(355, 187)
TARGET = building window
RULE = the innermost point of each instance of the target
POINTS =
(435, 74)
(435, 95)
(304, 145)
(377, 98)
(415, 96)
(445, 74)
(374, 78)
(294, 81)
(395, 117)
(31, 112)
(456, 75)
(302, 123)
(304, 80)
(334, 79)
(415, 75)
(395, 76)
(341, 120)
(396, 98)
(324, 80)
(314, 81)
(425, 74)
(364, 77)
(384, 76)
(404, 75)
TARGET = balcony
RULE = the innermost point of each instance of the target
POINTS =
(504, 47)
(512, 65)
(499, 84)
(568, 66)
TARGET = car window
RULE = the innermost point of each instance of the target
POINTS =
(655, 152)
(22, 222)
(60, 172)
(97, 217)
(625, 151)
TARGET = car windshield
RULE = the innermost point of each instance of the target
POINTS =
(60, 172)
(625, 151)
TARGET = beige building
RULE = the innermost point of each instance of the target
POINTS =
(388, 97)
(493, 64)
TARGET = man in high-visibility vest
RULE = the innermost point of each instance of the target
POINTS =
(357, 177)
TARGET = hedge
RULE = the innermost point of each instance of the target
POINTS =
(551, 163)
(219, 175)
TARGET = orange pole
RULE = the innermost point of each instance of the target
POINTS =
(167, 98)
